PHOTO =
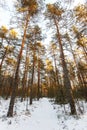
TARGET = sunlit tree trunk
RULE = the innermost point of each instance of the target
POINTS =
(56, 70)
(67, 83)
(24, 80)
(32, 79)
(38, 92)
(78, 71)
(15, 86)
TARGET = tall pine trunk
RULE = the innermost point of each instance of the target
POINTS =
(38, 91)
(56, 70)
(15, 85)
(24, 80)
(78, 74)
(32, 80)
(67, 83)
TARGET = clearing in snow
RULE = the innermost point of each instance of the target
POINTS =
(42, 115)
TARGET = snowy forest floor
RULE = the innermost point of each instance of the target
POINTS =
(41, 115)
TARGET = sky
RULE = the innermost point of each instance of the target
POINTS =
(5, 14)
(78, 2)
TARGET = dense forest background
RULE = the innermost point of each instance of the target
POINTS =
(32, 67)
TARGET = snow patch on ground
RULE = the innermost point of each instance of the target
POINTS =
(41, 115)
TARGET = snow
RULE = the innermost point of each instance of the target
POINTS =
(41, 115)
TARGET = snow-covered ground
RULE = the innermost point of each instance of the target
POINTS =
(42, 115)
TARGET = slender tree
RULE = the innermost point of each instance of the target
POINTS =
(55, 13)
(31, 9)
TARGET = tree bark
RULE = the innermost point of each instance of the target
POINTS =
(32, 79)
(15, 86)
(67, 83)
(24, 80)
(38, 92)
